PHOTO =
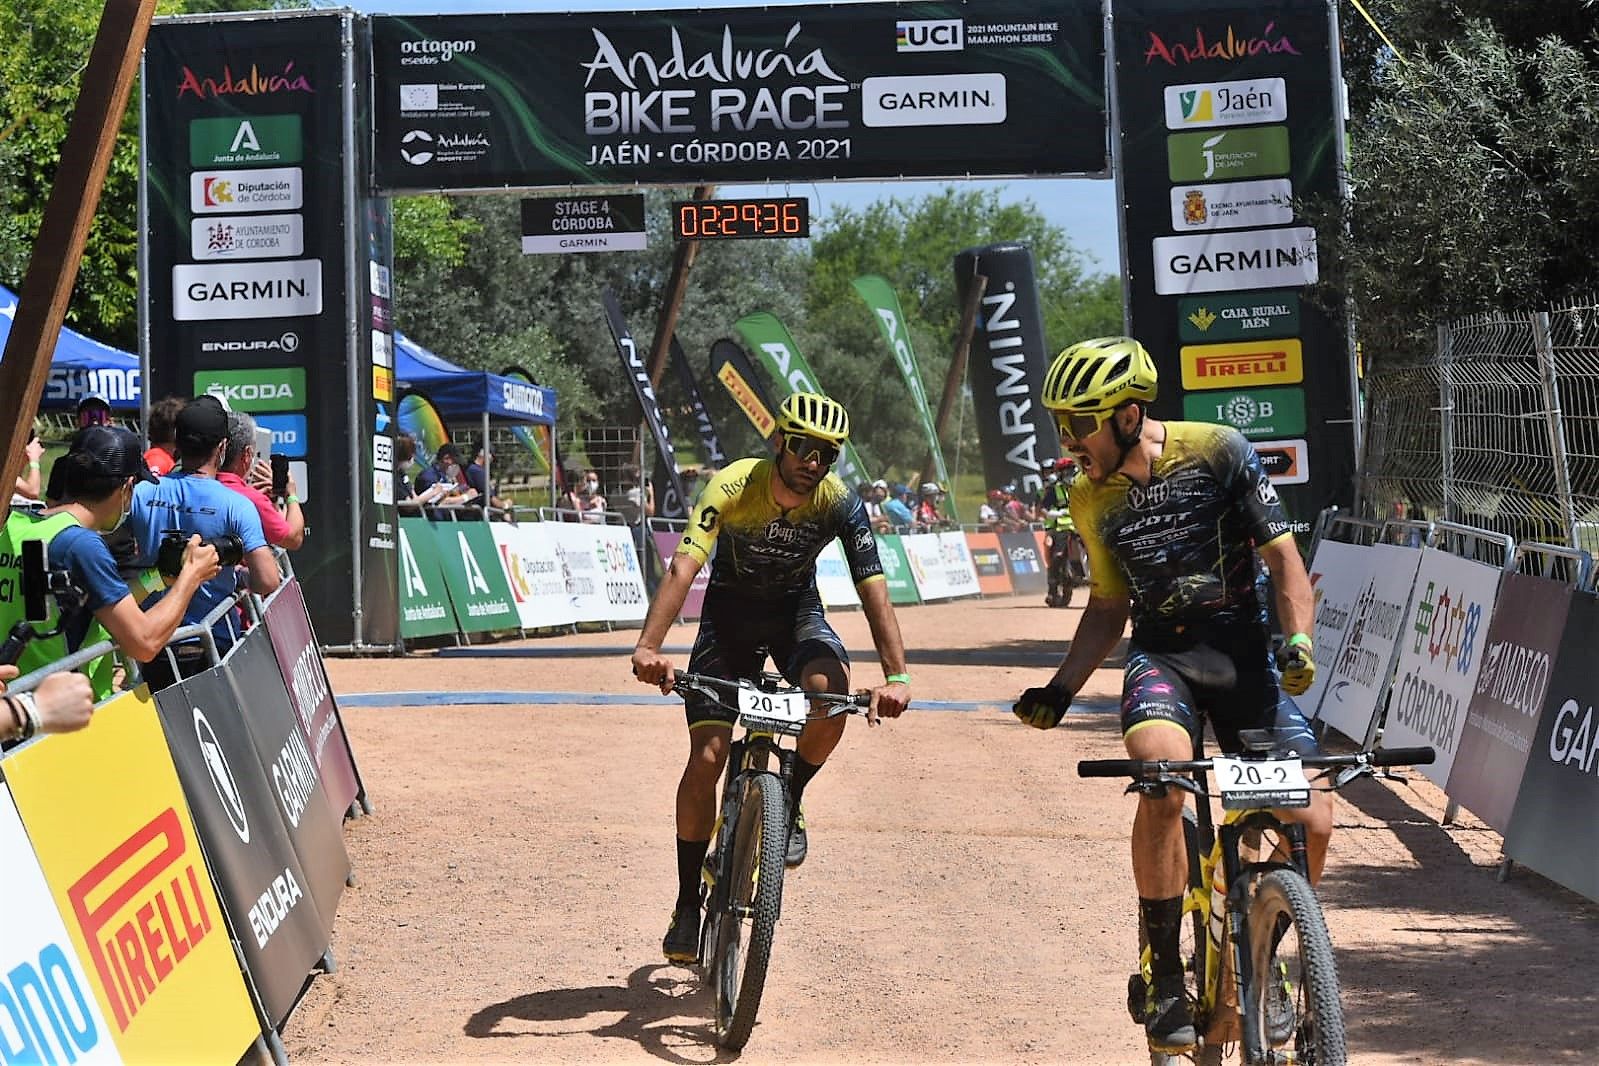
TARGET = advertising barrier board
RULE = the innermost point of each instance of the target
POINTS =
(941, 564)
(474, 576)
(533, 569)
(1026, 558)
(425, 609)
(959, 572)
(259, 877)
(1366, 660)
(1518, 656)
(988, 559)
(1338, 574)
(315, 829)
(1555, 826)
(665, 543)
(306, 677)
(833, 582)
(897, 569)
(621, 576)
(47, 1013)
(1440, 652)
(106, 815)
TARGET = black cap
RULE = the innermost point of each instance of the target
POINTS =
(111, 451)
(202, 425)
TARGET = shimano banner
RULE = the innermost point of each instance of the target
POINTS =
(770, 339)
(884, 303)
(702, 416)
(732, 368)
(1007, 367)
(673, 500)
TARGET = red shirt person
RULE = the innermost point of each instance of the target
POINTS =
(251, 479)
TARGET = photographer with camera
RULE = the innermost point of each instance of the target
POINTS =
(251, 477)
(92, 486)
(190, 501)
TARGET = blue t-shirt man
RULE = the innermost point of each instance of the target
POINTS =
(202, 505)
(897, 512)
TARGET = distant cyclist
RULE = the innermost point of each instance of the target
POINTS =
(1064, 544)
(767, 520)
(1174, 516)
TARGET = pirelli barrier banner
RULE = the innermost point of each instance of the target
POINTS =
(809, 92)
(109, 825)
(1440, 653)
(1027, 560)
(306, 679)
(988, 559)
(1518, 656)
(833, 581)
(48, 1009)
(1229, 126)
(263, 886)
(897, 570)
(1555, 826)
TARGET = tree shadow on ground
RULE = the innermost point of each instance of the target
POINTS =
(1503, 972)
(656, 1005)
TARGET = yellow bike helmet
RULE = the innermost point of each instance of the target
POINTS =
(811, 414)
(1100, 375)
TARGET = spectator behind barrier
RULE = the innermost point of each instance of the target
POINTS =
(251, 478)
(897, 510)
(95, 481)
(445, 471)
(477, 476)
(192, 500)
(162, 455)
(28, 487)
(61, 704)
(636, 501)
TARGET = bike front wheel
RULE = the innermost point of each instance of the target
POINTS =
(1294, 1003)
(741, 942)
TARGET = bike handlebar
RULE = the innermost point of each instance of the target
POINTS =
(1147, 768)
(845, 702)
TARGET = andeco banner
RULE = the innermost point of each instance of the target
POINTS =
(1229, 125)
(739, 94)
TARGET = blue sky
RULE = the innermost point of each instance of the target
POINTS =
(1085, 209)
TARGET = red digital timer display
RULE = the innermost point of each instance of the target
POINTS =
(715, 220)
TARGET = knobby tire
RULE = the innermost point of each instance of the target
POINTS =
(1318, 1036)
(738, 965)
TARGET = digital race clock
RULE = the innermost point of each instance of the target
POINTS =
(710, 220)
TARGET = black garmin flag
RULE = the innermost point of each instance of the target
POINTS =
(702, 415)
(673, 501)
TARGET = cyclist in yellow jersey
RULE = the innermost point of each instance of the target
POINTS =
(767, 520)
(1177, 518)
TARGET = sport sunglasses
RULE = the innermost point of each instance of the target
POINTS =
(1074, 425)
(810, 449)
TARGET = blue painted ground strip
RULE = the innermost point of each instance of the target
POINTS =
(643, 699)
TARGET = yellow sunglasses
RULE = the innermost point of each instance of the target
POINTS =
(1080, 425)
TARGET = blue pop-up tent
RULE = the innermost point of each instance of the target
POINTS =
(460, 393)
(81, 367)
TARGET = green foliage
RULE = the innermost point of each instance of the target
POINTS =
(427, 229)
(1474, 164)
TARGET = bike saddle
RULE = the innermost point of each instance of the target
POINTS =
(1266, 741)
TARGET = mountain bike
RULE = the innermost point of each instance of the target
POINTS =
(1249, 912)
(743, 876)
(1067, 567)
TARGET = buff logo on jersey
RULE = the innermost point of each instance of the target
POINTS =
(1148, 497)
(863, 539)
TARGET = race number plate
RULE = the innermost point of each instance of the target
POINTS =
(790, 708)
(1249, 783)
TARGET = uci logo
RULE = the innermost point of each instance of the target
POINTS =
(1148, 497)
(930, 35)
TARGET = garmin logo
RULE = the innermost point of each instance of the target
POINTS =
(288, 342)
(424, 53)
(934, 100)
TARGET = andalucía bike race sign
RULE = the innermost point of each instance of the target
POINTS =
(740, 94)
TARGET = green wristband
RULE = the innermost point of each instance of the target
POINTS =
(292, 499)
(1299, 640)
(898, 679)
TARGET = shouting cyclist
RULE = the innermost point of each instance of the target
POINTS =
(767, 519)
(1174, 516)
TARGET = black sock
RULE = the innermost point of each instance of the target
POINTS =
(690, 859)
(803, 772)
(1163, 920)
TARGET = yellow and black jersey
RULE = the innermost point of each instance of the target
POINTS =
(1182, 547)
(765, 552)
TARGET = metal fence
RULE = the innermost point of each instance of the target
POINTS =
(1498, 429)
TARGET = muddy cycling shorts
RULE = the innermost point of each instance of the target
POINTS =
(737, 635)
(1236, 687)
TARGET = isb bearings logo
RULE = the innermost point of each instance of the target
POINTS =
(930, 35)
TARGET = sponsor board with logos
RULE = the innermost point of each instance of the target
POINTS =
(382, 384)
(1245, 363)
(1268, 202)
(807, 91)
(1227, 155)
(833, 581)
(215, 192)
(584, 224)
(1256, 413)
(1286, 461)
(1226, 103)
(1238, 317)
(247, 237)
(272, 389)
(233, 291)
(1238, 259)
(245, 141)
(288, 433)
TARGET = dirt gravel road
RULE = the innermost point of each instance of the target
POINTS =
(967, 897)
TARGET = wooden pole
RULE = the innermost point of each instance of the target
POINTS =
(957, 365)
(64, 229)
(672, 299)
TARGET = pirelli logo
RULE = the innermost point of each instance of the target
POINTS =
(1232, 366)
